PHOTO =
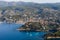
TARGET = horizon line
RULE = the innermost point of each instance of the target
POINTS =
(30, 2)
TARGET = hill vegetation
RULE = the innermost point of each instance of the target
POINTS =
(48, 14)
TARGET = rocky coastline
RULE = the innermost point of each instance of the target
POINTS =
(31, 26)
(55, 35)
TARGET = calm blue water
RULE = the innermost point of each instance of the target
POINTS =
(9, 32)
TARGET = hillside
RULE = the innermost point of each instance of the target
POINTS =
(28, 11)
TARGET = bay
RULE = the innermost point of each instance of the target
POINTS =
(9, 32)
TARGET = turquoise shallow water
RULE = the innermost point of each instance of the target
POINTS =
(9, 32)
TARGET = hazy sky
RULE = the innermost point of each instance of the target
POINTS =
(37, 1)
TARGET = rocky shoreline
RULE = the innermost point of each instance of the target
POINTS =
(31, 26)
(55, 35)
(37, 27)
(52, 36)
